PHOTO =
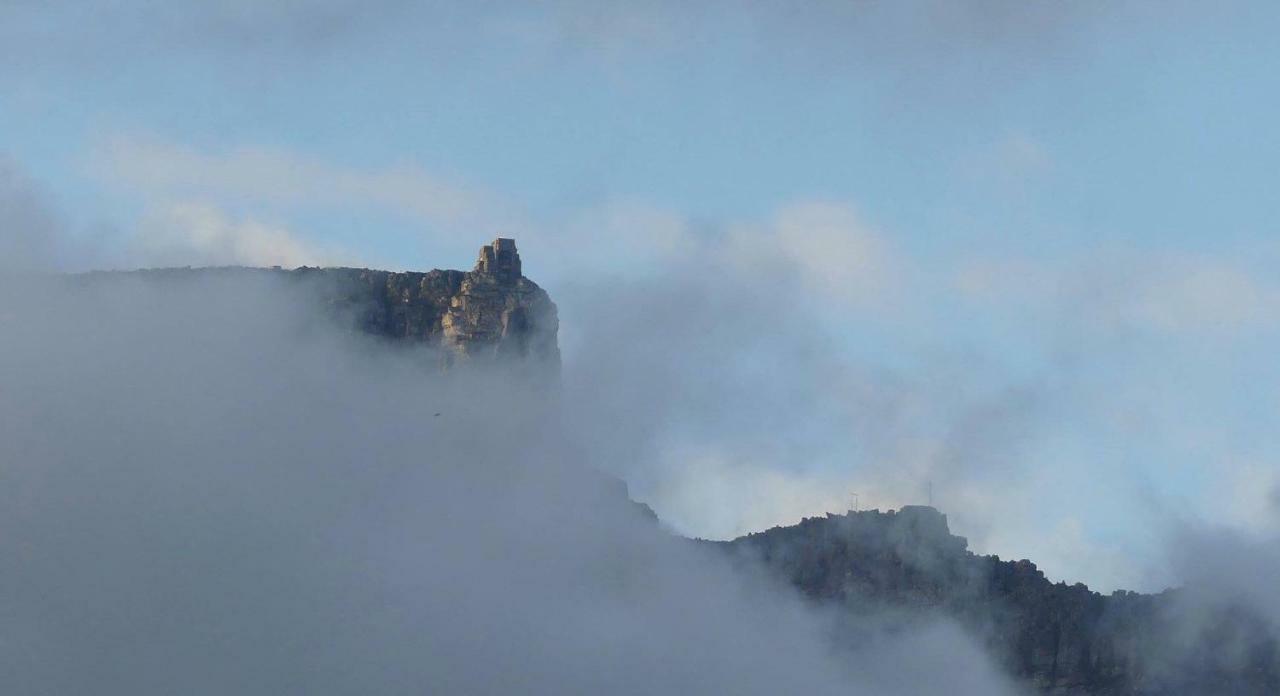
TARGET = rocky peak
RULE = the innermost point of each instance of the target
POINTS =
(499, 259)
(499, 312)
(492, 311)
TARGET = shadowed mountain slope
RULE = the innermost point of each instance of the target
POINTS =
(906, 566)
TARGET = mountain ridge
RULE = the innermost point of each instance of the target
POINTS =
(489, 312)
(1058, 638)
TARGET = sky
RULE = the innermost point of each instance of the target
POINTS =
(1020, 254)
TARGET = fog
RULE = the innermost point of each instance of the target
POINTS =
(28, 228)
(746, 406)
(208, 488)
(1010, 258)
(1222, 567)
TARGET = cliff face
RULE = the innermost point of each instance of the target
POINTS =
(1060, 638)
(491, 311)
(498, 312)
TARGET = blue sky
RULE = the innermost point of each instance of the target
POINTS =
(1037, 233)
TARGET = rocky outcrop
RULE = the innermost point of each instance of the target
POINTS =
(489, 312)
(497, 312)
(1059, 638)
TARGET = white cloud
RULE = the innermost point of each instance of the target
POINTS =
(1162, 293)
(1201, 293)
(1066, 551)
(781, 275)
(620, 236)
(712, 494)
(201, 234)
(270, 513)
(828, 247)
(1251, 487)
(161, 170)
(28, 228)
(825, 246)
(619, 233)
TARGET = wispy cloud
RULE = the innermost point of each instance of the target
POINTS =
(773, 315)
(28, 227)
(830, 247)
(1201, 293)
(201, 234)
(1156, 291)
(165, 170)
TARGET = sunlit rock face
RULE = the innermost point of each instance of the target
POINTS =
(497, 312)
(490, 313)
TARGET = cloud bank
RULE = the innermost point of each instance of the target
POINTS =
(209, 490)
(27, 238)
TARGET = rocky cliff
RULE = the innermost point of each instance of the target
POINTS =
(1063, 639)
(489, 312)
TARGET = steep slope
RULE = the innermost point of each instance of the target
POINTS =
(906, 566)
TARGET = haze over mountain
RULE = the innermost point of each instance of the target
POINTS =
(999, 246)
(1014, 260)
(240, 485)
(214, 485)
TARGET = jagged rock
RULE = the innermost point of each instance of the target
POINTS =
(498, 312)
(1061, 639)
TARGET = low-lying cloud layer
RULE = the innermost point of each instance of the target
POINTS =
(767, 369)
(29, 227)
(209, 490)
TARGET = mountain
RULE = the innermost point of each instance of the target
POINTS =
(489, 312)
(894, 568)
(877, 570)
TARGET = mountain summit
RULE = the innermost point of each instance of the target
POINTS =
(496, 311)
(489, 312)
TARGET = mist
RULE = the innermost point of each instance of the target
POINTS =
(1012, 260)
(210, 488)
(29, 226)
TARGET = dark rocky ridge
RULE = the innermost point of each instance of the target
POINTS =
(1062, 639)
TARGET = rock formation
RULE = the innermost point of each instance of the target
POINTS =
(496, 311)
(1061, 639)
(491, 311)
